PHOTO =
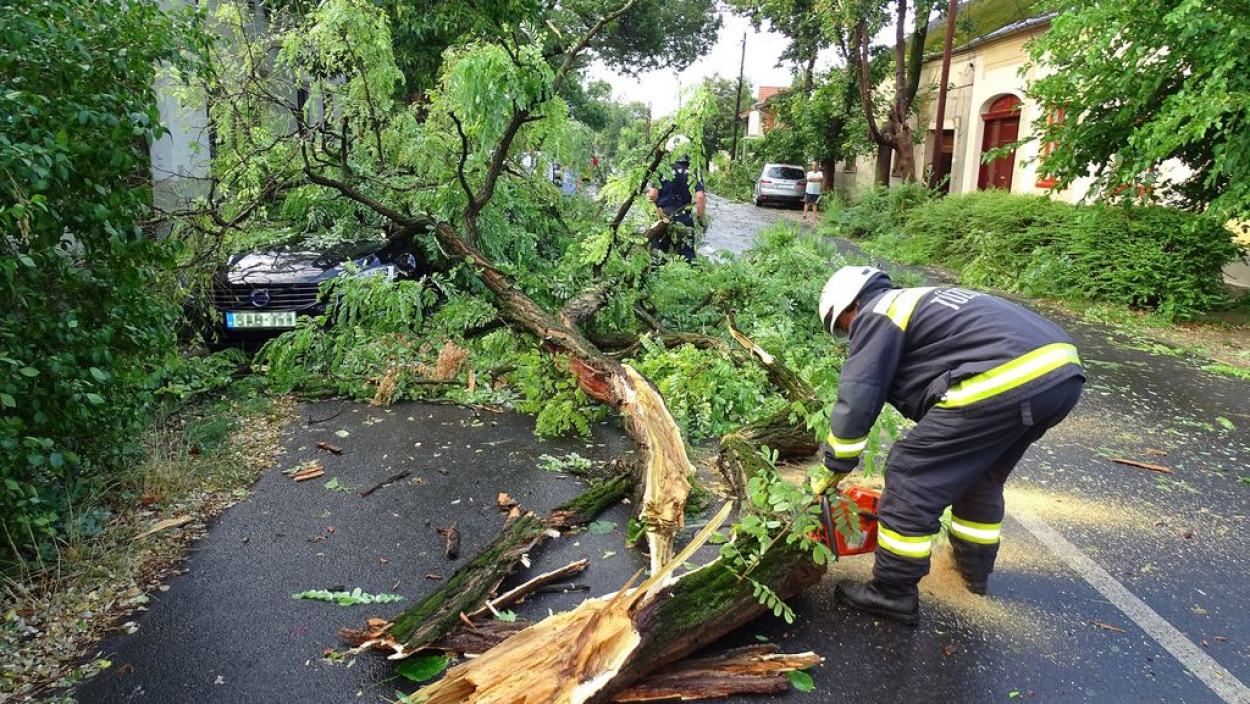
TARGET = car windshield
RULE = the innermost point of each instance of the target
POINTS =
(787, 172)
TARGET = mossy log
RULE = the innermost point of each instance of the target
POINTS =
(469, 588)
(739, 458)
(608, 643)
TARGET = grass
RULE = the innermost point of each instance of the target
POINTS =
(196, 463)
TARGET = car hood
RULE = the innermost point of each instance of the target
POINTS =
(285, 267)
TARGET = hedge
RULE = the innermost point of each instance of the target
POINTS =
(1163, 259)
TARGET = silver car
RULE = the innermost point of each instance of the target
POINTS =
(780, 183)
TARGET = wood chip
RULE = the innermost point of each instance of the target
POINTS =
(1156, 453)
(1107, 626)
(434, 577)
(306, 474)
(165, 525)
(330, 448)
(1143, 465)
(505, 502)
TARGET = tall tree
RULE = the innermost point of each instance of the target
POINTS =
(719, 125)
(651, 35)
(855, 22)
(1138, 83)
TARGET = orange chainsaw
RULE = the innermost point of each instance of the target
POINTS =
(866, 500)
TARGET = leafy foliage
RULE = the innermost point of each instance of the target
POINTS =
(355, 596)
(876, 212)
(420, 668)
(734, 180)
(1142, 83)
(1149, 257)
(86, 328)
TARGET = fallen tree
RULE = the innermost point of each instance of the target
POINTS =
(446, 174)
(610, 642)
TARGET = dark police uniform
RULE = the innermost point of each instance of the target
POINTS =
(983, 377)
(676, 201)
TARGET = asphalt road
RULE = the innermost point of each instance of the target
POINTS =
(1115, 583)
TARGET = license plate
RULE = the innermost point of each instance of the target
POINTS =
(254, 319)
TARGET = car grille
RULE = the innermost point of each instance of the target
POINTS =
(281, 296)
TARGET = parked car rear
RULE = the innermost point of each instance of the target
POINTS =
(780, 183)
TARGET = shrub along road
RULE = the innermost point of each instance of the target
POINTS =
(1116, 583)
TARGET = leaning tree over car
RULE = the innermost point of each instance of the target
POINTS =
(318, 121)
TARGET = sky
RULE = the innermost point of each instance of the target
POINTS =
(661, 88)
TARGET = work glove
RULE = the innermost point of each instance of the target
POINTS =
(824, 481)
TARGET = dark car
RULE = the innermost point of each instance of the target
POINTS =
(260, 295)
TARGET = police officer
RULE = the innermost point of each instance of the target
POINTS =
(982, 377)
(673, 198)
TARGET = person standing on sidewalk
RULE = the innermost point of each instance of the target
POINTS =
(811, 197)
(982, 377)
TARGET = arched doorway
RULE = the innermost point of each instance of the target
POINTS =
(1002, 127)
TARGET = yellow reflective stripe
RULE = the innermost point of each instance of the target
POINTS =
(886, 300)
(1006, 377)
(904, 305)
(899, 304)
(905, 545)
(845, 449)
(984, 533)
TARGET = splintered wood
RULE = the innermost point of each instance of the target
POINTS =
(566, 658)
(667, 466)
(757, 669)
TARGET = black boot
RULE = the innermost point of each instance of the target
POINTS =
(976, 583)
(895, 602)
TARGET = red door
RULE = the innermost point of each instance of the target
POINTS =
(1002, 127)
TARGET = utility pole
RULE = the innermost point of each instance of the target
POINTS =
(742, 65)
(940, 131)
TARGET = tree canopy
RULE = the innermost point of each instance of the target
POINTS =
(1143, 82)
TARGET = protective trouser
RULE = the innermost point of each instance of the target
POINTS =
(958, 457)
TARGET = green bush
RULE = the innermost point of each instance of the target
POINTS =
(734, 180)
(876, 212)
(1148, 257)
(87, 320)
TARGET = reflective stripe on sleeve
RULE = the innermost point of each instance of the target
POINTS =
(899, 304)
(1013, 374)
(983, 533)
(846, 449)
(904, 545)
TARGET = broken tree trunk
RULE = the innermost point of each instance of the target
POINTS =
(587, 655)
(469, 588)
(754, 669)
(739, 458)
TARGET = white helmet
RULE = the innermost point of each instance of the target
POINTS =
(840, 292)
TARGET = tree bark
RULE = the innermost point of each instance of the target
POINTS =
(440, 613)
(606, 644)
(885, 153)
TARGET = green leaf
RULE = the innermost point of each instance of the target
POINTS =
(601, 527)
(7, 401)
(99, 375)
(801, 681)
(28, 372)
(420, 668)
(1228, 424)
(342, 433)
(506, 616)
(96, 399)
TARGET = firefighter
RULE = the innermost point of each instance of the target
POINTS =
(982, 377)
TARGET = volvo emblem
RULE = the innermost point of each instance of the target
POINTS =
(259, 298)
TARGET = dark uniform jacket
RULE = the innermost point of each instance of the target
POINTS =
(951, 348)
(675, 198)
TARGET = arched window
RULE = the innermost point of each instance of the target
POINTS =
(1002, 127)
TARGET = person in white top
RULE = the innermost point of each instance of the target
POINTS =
(811, 198)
